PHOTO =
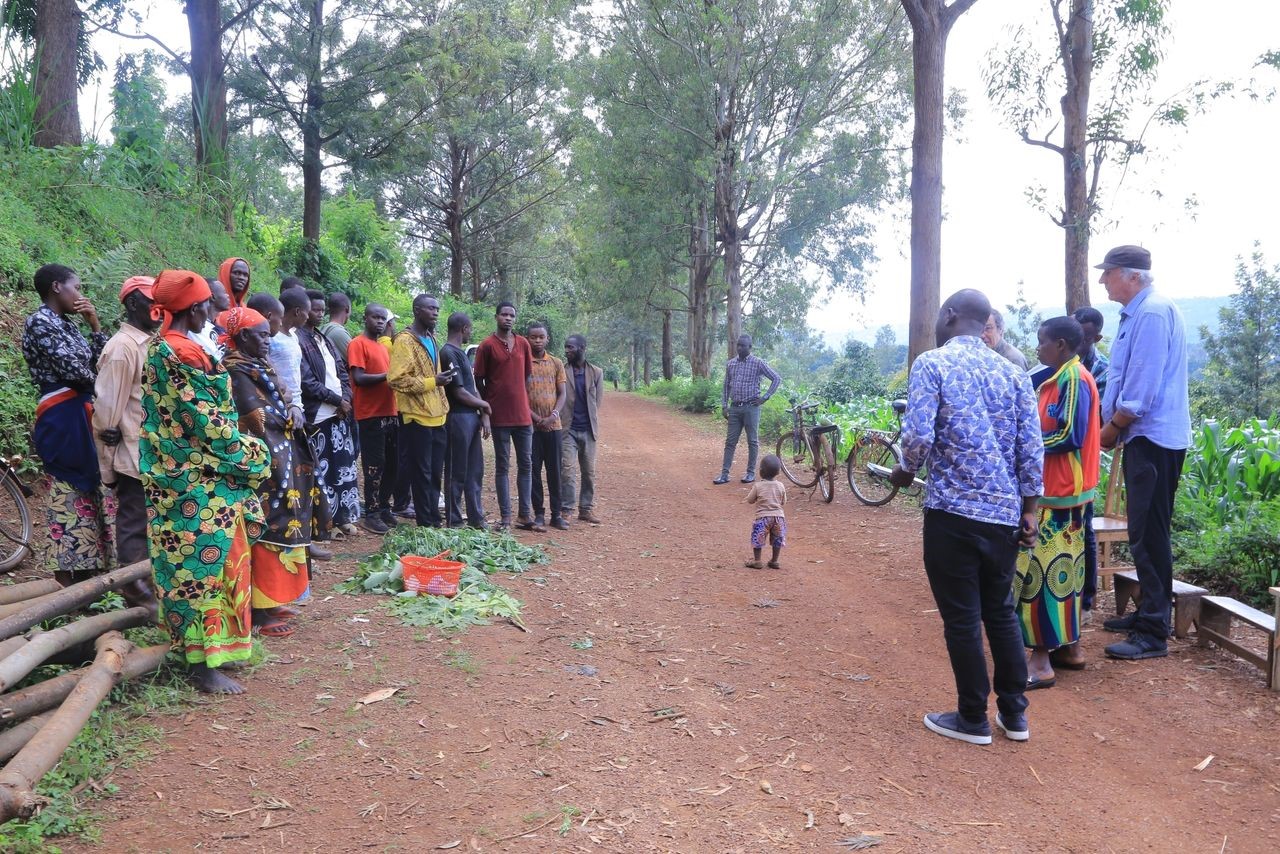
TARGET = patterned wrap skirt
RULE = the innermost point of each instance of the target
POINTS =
(1049, 579)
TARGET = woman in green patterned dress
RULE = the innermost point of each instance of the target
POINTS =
(200, 476)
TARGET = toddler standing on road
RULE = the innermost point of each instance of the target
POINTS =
(768, 495)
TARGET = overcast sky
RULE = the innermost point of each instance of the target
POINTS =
(992, 238)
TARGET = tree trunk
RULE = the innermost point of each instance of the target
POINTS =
(209, 101)
(312, 164)
(19, 778)
(57, 111)
(73, 596)
(28, 590)
(647, 359)
(631, 374)
(700, 332)
(453, 218)
(668, 359)
(931, 22)
(1077, 59)
(477, 284)
(41, 645)
(42, 696)
(928, 56)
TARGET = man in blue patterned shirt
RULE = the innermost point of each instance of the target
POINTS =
(740, 401)
(972, 419)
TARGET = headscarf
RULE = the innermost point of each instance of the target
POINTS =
(237, 320)
(224, 276)
(178, 290)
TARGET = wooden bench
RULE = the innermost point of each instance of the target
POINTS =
(1186, 599)
(1214, 625)
(1112, 524)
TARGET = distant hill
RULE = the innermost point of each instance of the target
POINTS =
(1196, 311)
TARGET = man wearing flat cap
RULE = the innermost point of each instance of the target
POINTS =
(1145, 409)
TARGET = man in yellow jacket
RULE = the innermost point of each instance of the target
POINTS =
(419, 385)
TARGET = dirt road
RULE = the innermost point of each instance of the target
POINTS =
(725, 710)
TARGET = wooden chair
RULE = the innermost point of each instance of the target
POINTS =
(1112, 524)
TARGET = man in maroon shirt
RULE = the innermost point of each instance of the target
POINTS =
(503, 364)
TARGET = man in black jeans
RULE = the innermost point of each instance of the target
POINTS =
(1146, 409)
(972, 414)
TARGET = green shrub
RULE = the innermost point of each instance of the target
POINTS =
(1239, 557)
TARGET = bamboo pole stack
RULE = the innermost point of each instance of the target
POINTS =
(43, 719)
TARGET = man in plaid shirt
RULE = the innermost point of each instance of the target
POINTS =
(740, 401)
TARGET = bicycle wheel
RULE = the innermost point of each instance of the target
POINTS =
(15, 523)
(827, 476)
(797, 460)
(868, 466)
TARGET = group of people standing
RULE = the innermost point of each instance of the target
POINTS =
(219, 432)
(1013, 461)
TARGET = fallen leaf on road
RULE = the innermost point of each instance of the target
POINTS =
(1204, 763)
(454, 844)
(377, 696)
(766, 787)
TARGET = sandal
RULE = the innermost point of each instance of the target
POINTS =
(278, 629)
(753, 564)
(284, 612)
(773, 564)
(530, 525)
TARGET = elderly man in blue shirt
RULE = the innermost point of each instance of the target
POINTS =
(972, 418)
(1145, 409)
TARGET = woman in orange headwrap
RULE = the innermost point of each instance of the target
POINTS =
(234, 273)
(280, 570)
(199, 475)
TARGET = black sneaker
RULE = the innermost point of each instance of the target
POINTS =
(1014, 726)
(1138, 646)
(1121, 625)
(406, 512)
(952, 725)
(374, 524)
(388, 518)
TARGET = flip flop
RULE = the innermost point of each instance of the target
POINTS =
(1034, 684)
(284, 612)
(1067, 664)
(531, 526)
(276, 630)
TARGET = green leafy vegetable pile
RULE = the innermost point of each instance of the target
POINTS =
(478, 599)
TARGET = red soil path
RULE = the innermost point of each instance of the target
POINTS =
(794, 726)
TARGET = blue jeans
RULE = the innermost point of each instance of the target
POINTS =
(742, 416)
(522, 439)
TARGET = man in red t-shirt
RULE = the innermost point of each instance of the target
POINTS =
(375, 412)
(503, 364)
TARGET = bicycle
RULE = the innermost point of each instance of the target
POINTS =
(871, 460)
(15, 517)
(807, 453)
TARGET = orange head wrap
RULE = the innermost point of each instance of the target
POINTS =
(224, 276)
(237, 320)
(178, 290)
